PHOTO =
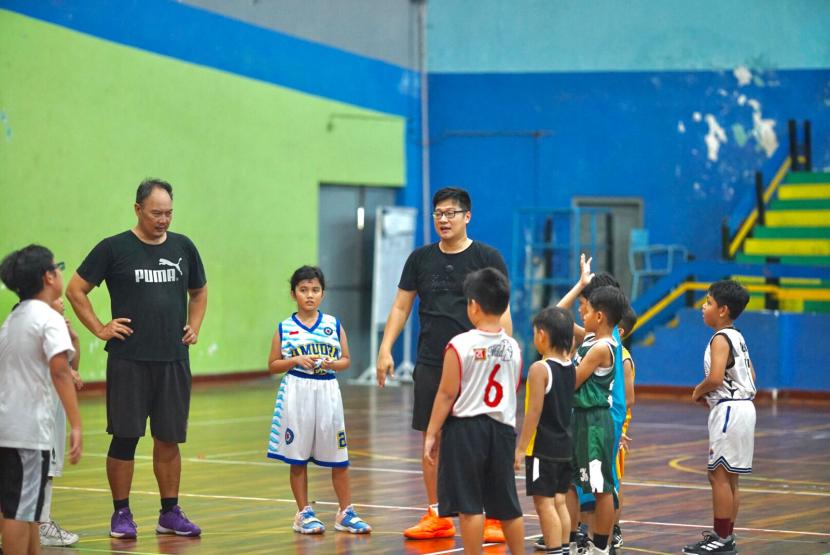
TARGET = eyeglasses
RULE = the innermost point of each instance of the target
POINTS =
(58, 266)
(450, 214)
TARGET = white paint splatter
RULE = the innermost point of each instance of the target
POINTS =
(763, 130)
(743, 75)
(681, 127)
(742, 100)
(696, 116)
(212, 349)
(713, 138)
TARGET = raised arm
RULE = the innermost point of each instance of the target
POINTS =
(78, 294)
(401, 308)
(585, 277)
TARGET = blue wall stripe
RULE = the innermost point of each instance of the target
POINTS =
(207, 39)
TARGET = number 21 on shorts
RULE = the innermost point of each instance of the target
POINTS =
(494, 391)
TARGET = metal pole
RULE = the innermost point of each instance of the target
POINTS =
(759, 197)
(808, 147)
(793, 133)
(426, 205)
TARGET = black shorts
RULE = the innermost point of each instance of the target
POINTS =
(475, 469)
(138, 389)
(23, 477)
(426, 378)
(546, 478)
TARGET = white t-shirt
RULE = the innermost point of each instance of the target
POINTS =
(491, 368)
(29, 338)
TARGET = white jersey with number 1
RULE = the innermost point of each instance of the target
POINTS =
(491, 370)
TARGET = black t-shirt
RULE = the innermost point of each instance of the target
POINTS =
(437, 277)
(553, 433)
(148, 284)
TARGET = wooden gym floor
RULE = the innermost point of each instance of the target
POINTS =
(243, 502)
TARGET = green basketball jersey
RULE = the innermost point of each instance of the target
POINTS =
(595, 392)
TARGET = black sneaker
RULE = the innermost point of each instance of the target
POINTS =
(712, 543)
(616, 537)
(539, 545)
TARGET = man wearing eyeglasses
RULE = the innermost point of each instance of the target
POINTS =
(435, 273)
(158, 295)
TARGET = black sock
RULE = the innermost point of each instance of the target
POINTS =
(572, 537)
(600, 541)
(121, 503)
(167, 504)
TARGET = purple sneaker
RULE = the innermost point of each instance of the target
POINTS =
(122, 525)
(175, 522)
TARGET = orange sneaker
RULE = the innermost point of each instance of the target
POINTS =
(492, 531)
(431, 527)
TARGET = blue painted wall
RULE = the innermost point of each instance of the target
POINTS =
(487, 36)
(616, 134)
(621, 97)
(773, 341)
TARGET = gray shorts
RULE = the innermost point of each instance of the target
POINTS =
(23, 477)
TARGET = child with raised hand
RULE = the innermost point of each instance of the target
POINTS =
(545, 442)
(308, 423)
(728, 389)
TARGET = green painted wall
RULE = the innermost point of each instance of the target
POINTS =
(82, 121)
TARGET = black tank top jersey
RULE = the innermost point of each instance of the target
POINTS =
(553, 435)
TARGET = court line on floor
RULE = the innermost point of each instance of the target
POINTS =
(519, 477)
(422, 508)
(676, 463)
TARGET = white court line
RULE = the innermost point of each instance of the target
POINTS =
(518, 476)
(422, 508)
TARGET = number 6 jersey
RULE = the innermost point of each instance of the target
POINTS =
(491, 369)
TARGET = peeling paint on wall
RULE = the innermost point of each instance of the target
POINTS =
(714, 138)
(763, 130)
(743, 75)
(739, 134)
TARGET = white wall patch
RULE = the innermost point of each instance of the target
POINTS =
(713, 138)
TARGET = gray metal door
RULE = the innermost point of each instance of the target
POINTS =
(347, 230)
(614, 231)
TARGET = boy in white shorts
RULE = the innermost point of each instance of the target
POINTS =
(308, 423)
(728, 389)
(35, 349)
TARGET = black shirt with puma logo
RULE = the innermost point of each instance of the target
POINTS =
(147, 284)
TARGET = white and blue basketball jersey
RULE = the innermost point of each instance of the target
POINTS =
(308, 423)
(738, 384)
(321, 340)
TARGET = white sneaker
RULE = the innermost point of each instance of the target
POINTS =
(51, 534)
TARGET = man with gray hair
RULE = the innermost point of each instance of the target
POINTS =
(158, 296)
